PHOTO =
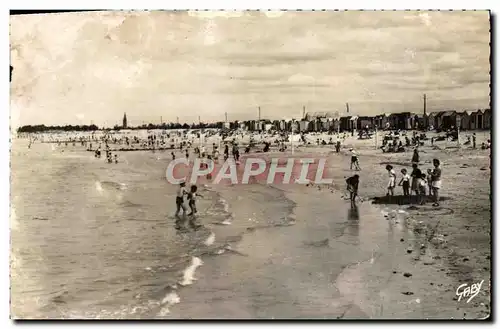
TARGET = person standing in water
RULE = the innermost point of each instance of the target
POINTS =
(179, 202)
(192, 195)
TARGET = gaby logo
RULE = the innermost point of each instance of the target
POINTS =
(464, 290)
(248, 171)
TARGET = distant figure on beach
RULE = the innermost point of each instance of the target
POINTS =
(337, 146)
(116, 158)
(405, 182)
(173, 155)
(352, 187)
(392, 180)
(354, 160)
(474, 140)
(179, 202)
(415, 175)
(226, 152)
(436, 181)
(416, 157)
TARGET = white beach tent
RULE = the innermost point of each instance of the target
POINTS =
(295, 138)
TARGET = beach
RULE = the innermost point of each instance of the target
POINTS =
(92, 239)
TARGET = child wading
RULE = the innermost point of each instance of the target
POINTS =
(192, 205)
(352, 187)
(436, 181)
(392, 180)
(405, 182)
(179, 202)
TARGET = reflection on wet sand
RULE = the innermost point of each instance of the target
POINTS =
(352, 228)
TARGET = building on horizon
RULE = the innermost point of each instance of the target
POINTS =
(124, 125)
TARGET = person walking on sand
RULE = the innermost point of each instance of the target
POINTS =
(405, 182)
(352, 187)
(416, 157)
(337, 146)
(392, 180)
(436, 181)
(354, 159)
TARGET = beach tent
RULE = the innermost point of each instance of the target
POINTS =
(295, 138)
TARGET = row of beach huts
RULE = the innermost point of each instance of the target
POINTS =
(332, 121)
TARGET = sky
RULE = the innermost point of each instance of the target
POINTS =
(78, 68)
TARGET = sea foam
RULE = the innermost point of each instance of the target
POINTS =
(188, 275)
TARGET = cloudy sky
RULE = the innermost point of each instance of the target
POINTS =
(74, 68)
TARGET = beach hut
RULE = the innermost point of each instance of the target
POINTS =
(432, 119)
(282, 125)
(364, 121)
(465, 120)
(316, 124)
(402, 120)
(353, 123)
(487, 119)
(303, 125)
(476, 120)
(446, 119)
(382, 120)
(325, 124)
(345, 123)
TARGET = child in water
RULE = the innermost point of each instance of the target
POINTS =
(179, 202)
(192, 195)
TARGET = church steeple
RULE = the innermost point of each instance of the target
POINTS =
(124, 121)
